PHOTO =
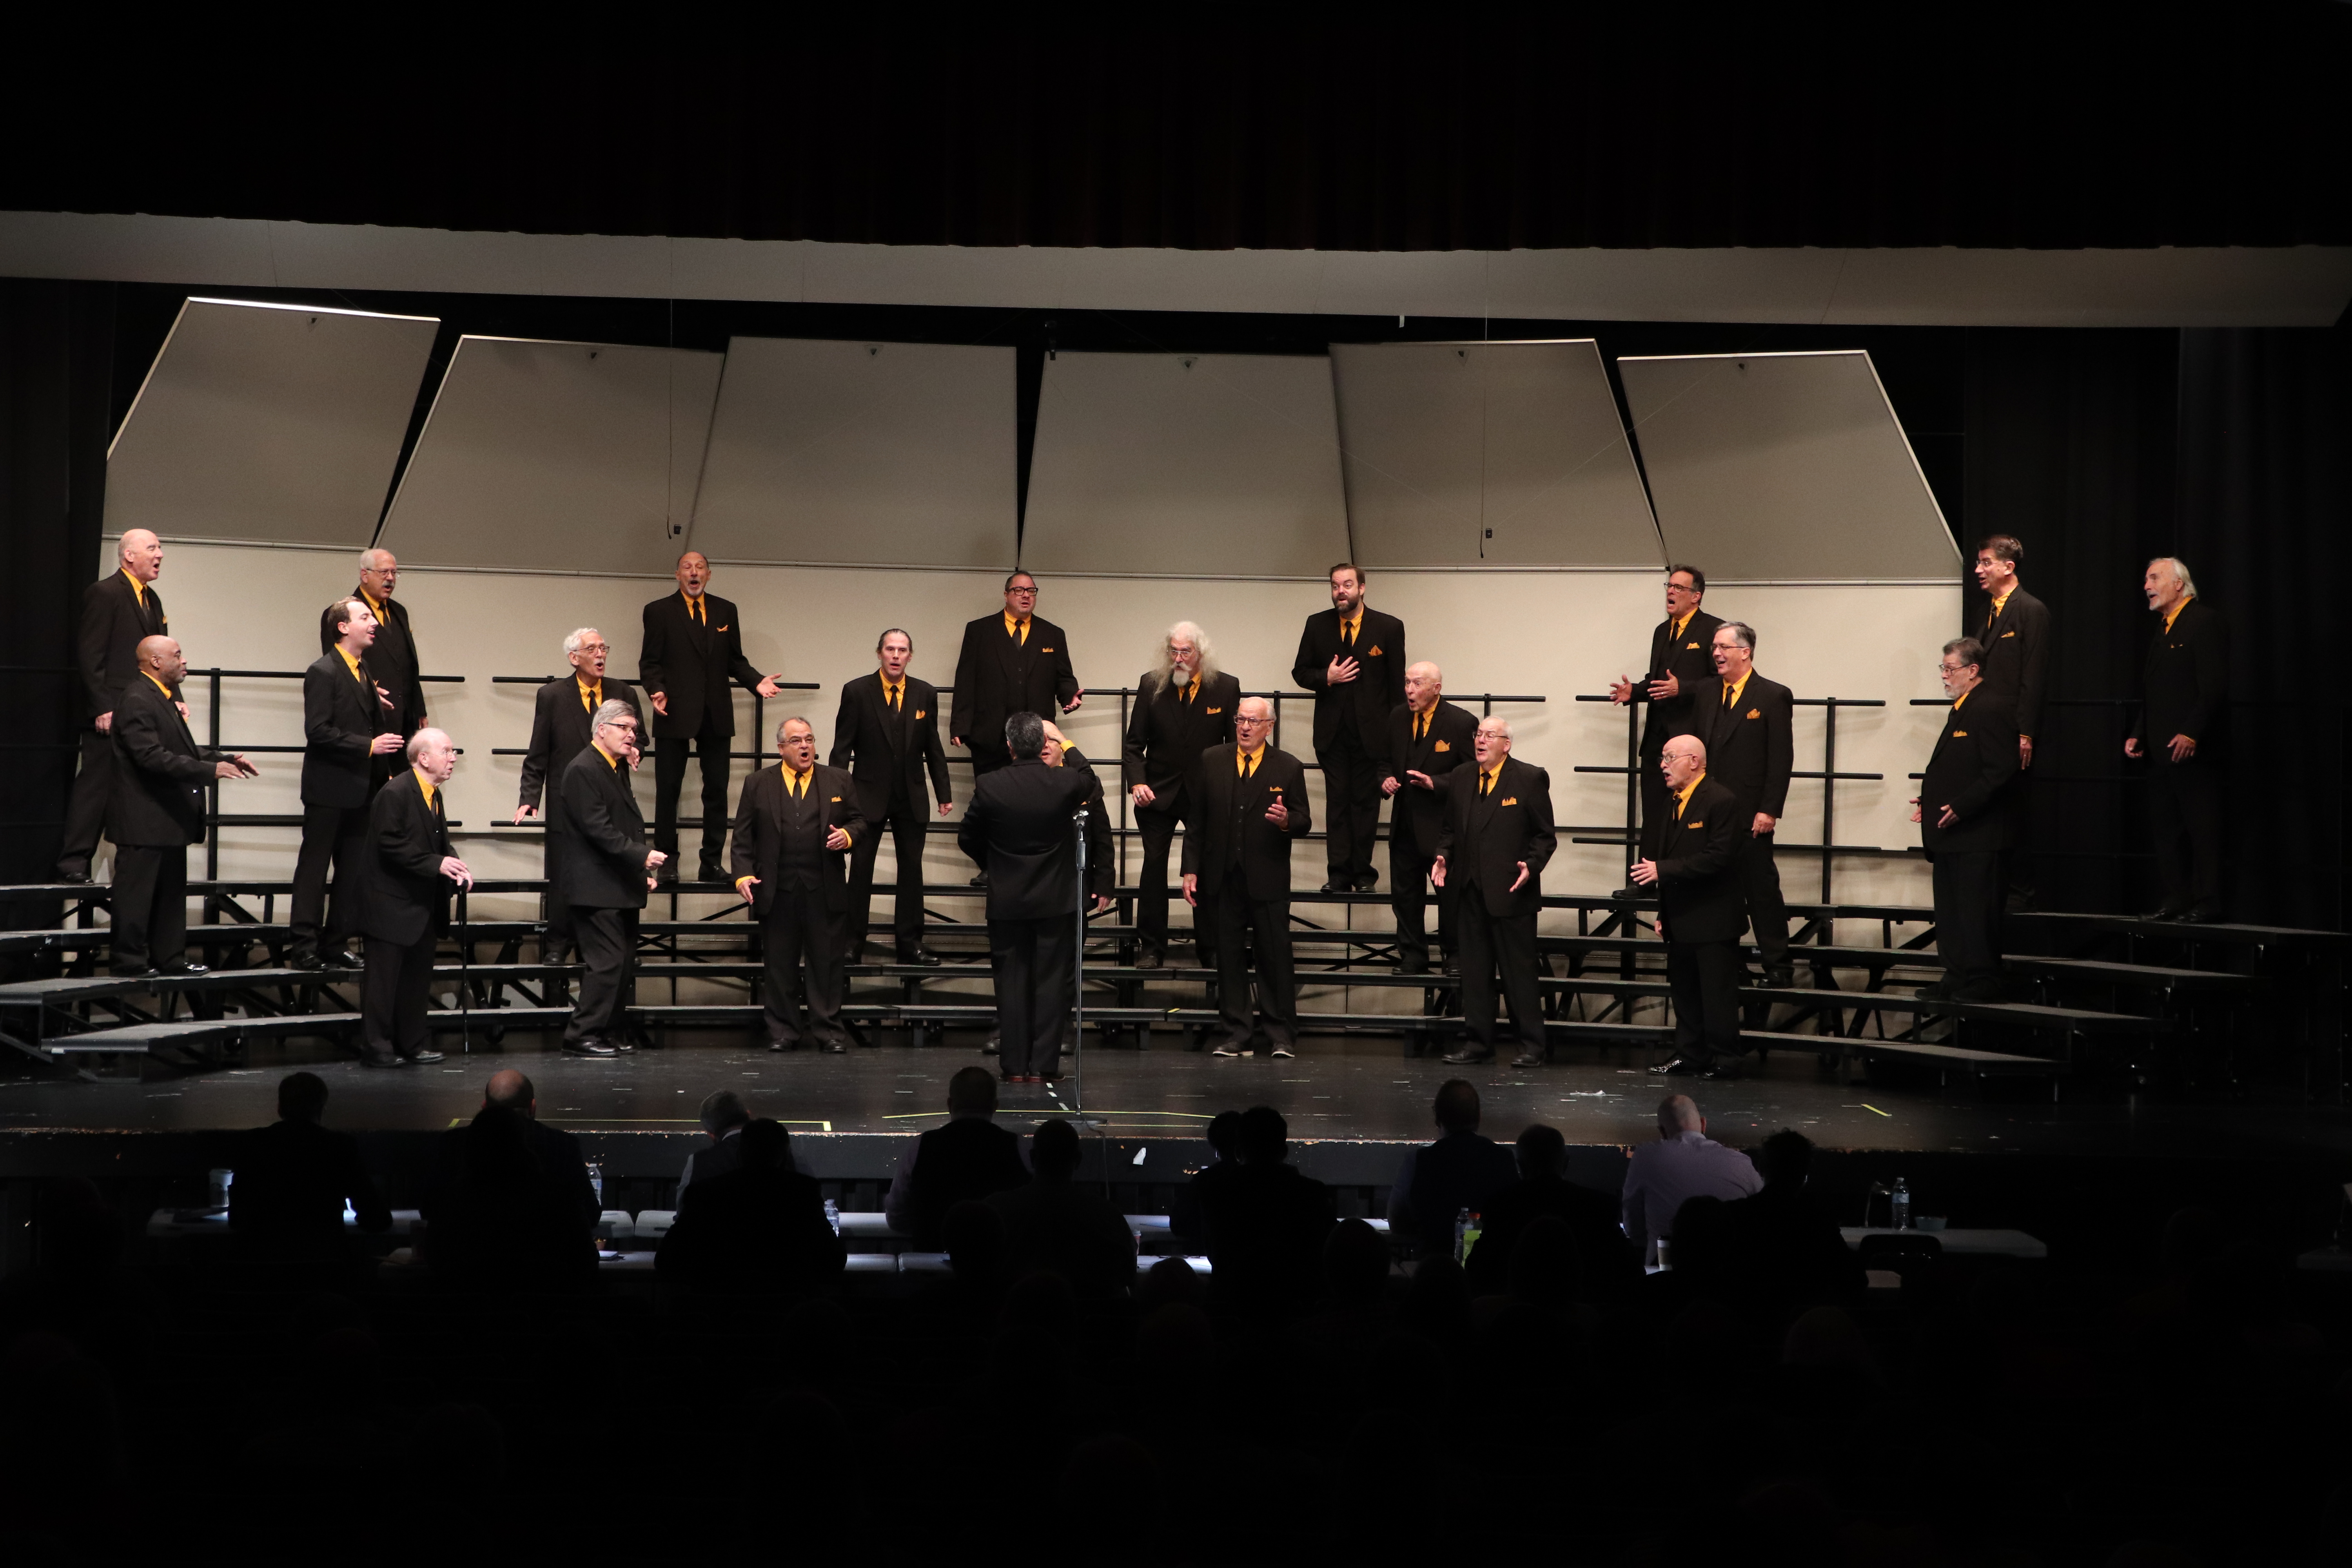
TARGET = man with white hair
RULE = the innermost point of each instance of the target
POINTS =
(118, 611)
(346, 725)
(1495, 840)
(2181, 730)
(413, 871)
(394, 660)
(1181, 709)
(607, 872)
(1428, 739)
(561, 714)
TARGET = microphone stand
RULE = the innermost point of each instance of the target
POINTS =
(1079, 978)
(465, 978)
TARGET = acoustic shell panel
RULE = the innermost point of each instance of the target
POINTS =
(1784, 467)
(861, 454)
(276, 424)
(1186, 465)
(558, 457)
(1488, 453)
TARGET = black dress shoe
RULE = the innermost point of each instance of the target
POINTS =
(2203, 915)
(1368, 881)
(835, 1048)
(1940, 991)
(1454, 966)
(339, 958)
(131, 972)
(994, 1045)
(306, 961)
(1988, 989)
(183, 969)
(588, 1046)
(709, 871)
(1781, 977)
(74, 877)
(922, 956)
(373, 1061)
(780, 1045)
(980, 880)
(2165, 912)
(1147, 959)
(424, 1057)
(666, 873)
(1527, 1060)
(1335, 886)
(1469, 1056)
(1413, 963)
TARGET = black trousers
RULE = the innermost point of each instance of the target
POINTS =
(392, 999)
(1351, 804)
(1705, 977)
(798, 930)
(608, 948)
(1253, 932)
(1655, 808)
(337, 836)
(1969, 899)
(1409, 866)
(2184, 808)
(907, 830)
(669, 778)
(559, 938)
(1159, 830)
(150, 906)
(1759, 884)
(86, 808)
(1031, 962)
(1492, 942)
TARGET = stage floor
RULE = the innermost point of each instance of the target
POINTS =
(1361, 1089)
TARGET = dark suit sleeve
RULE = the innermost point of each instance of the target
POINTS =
(97, 634)
(1397, 662)
(1723, 833)
(746, 675)
(1196, 796)
(1066, 678)
(852, 820)
(1099, 880)
(2033, 647)
(971, 833)
(844, 731)
(1305, 670)
(543, 746)
(1445, 803)
(2212, 650)
(402, 841)
(319, 726)
(1302, 815)
(1138, 735)
(935, 755)
(139, 735)
(1779, 752)
(652, 650)
(1995, 738)
(1543, 837)
(743, 846)
(967, 672)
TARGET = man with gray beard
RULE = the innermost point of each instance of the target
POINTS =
(1181, 709)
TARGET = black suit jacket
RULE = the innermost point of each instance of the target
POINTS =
(771, 827)
(394, 660)
(1379, 685)
(292, 1180)
(159, 790)
(2017, 657)
(1750, 749)
(1485, 837)
(1690, 660)
(561, 730)
(113, 624)
(1166, 734)
(888, 754)
(1419, 815)
(752, 1230)
(406, 893)
(1969, 771)
(996, 677)
(1018, 829)
(689, 662)
(1100, 869)
(1223, 805)
(2187, 680)
(1699, 897)
(340, 719)
(601, 855)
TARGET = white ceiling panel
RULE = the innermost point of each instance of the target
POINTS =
(1488, 453)
(1784, 467)
(269, 422)
(861, 454)
(1186, 465)
(557, 456)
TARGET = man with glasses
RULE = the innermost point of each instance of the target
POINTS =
(1748, 726)
(1964, 815)
(394, 659)
(1681, 661)
(1700, 910)
(1428, 739)
(1012, 662)
(562, 715)
(693, 648)
(1249, 806)
(1181, 709)
(793, 831)
(1492, 844)
(607, 872)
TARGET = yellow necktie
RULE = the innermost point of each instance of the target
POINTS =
(1680, 801)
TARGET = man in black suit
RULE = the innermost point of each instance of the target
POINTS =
(2016, 640)
(966, 1159)
(1010, 663)
(2182, 730)
(1018, 831)
(155, 810)
(1680, 661)
(345, 712)
(760, 1227)
(1607, 1262)
(1700, 909)
(1266, 1225)
(294, 1176)
(693, 648)
(1101, 869)
(1181, 709)
(1428, 739)
(888, 736)
(407, 914)
(561, 714)
(394, 659)
(792, 831)
(1249, 803)
(1493, 842)
(1964, 817)
(118, 611)
(1352, 658)
(1748, 724)
(555, 1155)
(607, 871)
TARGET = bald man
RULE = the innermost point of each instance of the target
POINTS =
(155, 811)
(393, 659)
(1682, 1165)
(1428, 739)
(1492, 844)
(1249, 806)
(1695, 873)
(693, 647)
(412, 872)
(555, 1151)
(117, 611)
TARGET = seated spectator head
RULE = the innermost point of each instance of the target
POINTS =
(1264, 1136)
(974, 1238)
(1170, 1282)
(1540, 1152)
(302, 1097)
(1457, 1106)
(1678, 1114)
(1355, 1264)
(723, 1113)
(766, 1145)
(973, 1092)
(1053, 1151)
(509, 1090)
(1225, 1134)
(1786, 1159)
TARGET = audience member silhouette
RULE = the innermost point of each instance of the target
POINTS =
(1684, 1164)
(970, 1157)
(556, 1150)
(1786, 1247)
(1053, 1224)
(1266, 1224)
(1606, 1263)
(1462, 1170)
(723, 1119)
(293, 1178)
(1224, 1134)
(761, 1226)
(499, 1218)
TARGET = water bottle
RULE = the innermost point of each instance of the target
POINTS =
(1470, 1235)
(1461, 1235)
(218, 1184)
(832, 1215)
(596, 1180)
(1898, 1205)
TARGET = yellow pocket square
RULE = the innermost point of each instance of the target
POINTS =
(836, 800)
(1510, 800)
(723, 628)
(1690, 645)
(1045, 651)
(2009, 633)
(1375, 653)
(1701, 822)
(1444, 745)
(1756, 712)
(1276, 788)
(1959, 735)
(1216, 710)
(920, 714)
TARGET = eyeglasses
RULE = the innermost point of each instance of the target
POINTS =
(1031, 592)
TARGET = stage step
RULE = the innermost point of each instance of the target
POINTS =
(1845, 1048)
(2073, 1020)
(2147, 976)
